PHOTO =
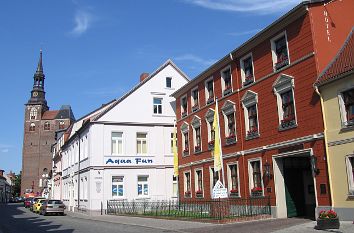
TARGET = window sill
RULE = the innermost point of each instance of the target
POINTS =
(252, 136)
(197, 152)
(287, 125)
(195, 108)
(185, 153)
(227, 92)
(210, 101)
(230, 141)
(347, 126)
(280, 65)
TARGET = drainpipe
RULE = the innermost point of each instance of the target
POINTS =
(241, 127)
(78, 175)
(326, 147)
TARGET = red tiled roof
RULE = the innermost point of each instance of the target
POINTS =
(49, 115)
(342, 63)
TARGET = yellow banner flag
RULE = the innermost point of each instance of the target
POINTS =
(217, 143)
(175, 153)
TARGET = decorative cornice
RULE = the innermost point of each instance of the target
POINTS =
(340, 142)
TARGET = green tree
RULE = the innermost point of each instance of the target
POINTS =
(16, 188)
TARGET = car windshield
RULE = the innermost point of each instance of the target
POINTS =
(41, 201)
(55, 202)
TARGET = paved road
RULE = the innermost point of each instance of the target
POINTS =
(16, 219)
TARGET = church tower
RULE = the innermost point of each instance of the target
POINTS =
(39, 135)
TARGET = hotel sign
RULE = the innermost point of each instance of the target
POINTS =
(128, 160)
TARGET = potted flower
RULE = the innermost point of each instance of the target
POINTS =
(234, 192)
(199, 193)
(197, 149)
(252, 132)
(211, 144)
(187, 193)
(186, 151)
(256, 191)
(248, 80)
(230, 139)
(195, 107)
(288, 121)
(210, 99)
(327, 220)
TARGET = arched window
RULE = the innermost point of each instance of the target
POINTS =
(33, 113)
(32, 127)
(47, 125)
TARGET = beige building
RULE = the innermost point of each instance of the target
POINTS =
(336, 88)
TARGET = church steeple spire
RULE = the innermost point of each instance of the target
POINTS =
(38, 93)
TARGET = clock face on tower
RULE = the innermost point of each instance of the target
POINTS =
(35, 94)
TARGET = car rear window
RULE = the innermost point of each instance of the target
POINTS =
(41, 201)
(55, 202)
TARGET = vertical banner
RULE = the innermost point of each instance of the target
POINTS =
(217, 143)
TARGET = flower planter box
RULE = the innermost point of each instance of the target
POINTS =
(233, 194)
(227, 91)
(195, 108)
(281, 64)
(230, 140)
(197, 149)
(327, 223)
(256, 194)
(210, 100)
(186, 152)
(287, 124)
(187, 194)
(210, 145)
(248, 80)
(184, 114)
(252, 134)
(199, 194)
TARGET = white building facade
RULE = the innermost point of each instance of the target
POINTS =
(123, 150)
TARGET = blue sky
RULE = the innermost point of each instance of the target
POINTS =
(95, 51)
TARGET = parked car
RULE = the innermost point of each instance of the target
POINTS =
(38, 204)
(53, 207)
(33, 201)
(27, 202)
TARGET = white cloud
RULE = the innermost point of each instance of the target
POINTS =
(196, 59)
(243, 33)
(256, 6)
(5, 148)
(83, 20)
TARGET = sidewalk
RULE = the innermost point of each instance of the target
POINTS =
(345, 227)
(176, 225)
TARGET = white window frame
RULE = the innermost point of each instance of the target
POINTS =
(185, 183)
(33, 113)
(227, 109)
(117, 142)
(250, 174)
(350, 175)
(46, 126)
(185, 129)
(229, 180)
(196, 123)
(141, 140)
(194, 105)
(242, 66)
(157, 106)
(343, 113)
(250, 99)
(284, 83)
(118, 183)
(86, 188)
(273, 47)
(184, 114)
(174, 186)
(196, 188)
(143, 183)
(223, 84)
(206, 90)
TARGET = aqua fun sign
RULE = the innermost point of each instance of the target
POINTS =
(128, 161)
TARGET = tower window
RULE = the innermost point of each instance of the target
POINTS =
(32, 127)
(46, 125)
(168, 82)
(33, 114)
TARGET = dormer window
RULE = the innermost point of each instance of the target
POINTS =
(226, 81)
(209, 91)
(247, 70)
(61, 125)
(280, 51)
(184, 106)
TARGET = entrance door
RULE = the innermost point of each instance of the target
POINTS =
(296, 170)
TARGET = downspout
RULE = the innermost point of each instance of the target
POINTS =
(241, 127)
(326, 146)
(78, 176)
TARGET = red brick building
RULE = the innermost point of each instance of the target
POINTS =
(270, 115)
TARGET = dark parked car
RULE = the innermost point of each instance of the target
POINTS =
(52, 206)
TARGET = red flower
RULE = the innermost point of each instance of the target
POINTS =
(256, 189)
(234, 191)
(199, 192)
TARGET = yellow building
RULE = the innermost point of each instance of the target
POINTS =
(336, 87)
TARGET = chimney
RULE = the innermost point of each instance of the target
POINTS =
(143, 76)
(1, 173)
